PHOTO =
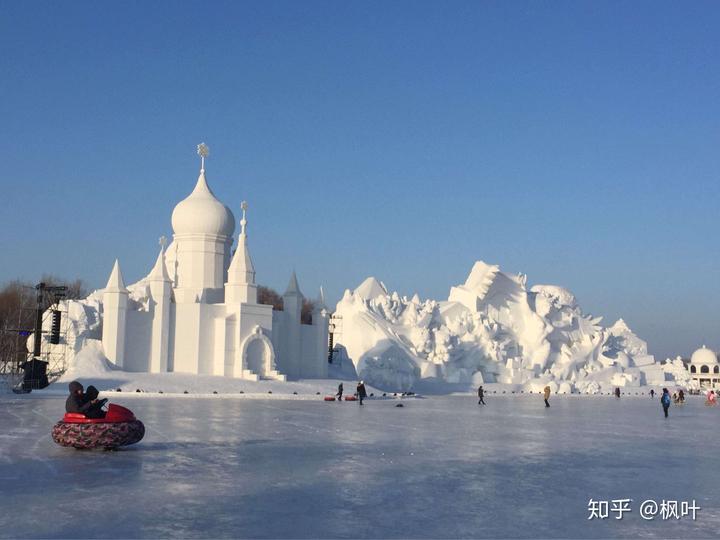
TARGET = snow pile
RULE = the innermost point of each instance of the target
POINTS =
(90, 362)
(492, 329)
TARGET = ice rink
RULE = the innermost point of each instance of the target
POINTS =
(436, 468)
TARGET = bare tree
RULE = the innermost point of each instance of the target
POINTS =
(306, 313)
(18, 302)
(271, 297)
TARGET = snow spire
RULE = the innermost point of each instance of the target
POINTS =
(243, 221)
(241, 269)
(159, 272)
(202, 188)
(116, 282)
(319, 303)
(293, 288)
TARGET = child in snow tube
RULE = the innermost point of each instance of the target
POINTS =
(86, 425)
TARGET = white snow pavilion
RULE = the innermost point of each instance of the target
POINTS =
(197, 310)
(704, 368)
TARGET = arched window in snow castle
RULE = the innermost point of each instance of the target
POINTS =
(716, 369)
(692, 369)
(704, 369)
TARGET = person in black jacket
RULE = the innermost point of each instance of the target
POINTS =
(362, 393)
(96, 411)
(339, 392)
(481, 395)
(87, 404)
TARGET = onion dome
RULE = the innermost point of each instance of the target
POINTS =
(202, 213)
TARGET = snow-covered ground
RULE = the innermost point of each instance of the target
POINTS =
(438, 467)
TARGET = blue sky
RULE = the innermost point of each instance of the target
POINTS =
(576, 142)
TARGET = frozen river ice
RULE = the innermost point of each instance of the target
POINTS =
(438, 467)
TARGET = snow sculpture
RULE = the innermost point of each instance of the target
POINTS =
(197, 311)
(491, 329)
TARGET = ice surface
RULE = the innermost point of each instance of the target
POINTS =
(440, 467)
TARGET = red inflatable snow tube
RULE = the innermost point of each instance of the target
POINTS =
(118, 428)
(329, 398)
(350, 398)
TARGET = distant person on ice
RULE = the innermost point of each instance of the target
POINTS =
(617, 393)
(546, 393)
(681, 396)
(361, 392)
(652, 393)
(87, 404)
(710, 399)
(665, 401)
(339, 392)
(481, 395)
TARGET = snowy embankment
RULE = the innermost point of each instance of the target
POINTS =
(91, 368)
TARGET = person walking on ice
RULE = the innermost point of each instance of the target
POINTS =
(665, 401)
(339, 392)
(652, 393)
(361, 392)
(481, 395)
(546, 393)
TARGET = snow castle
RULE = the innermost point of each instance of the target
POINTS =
(197, 310)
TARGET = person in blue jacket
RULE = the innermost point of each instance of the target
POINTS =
(665, 401)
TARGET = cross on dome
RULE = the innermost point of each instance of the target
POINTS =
(243, 221)
(203, 151)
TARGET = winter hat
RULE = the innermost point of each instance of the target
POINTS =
(75, 386)
(91, 392)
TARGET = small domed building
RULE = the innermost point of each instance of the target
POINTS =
(197, 310)
(704, 368)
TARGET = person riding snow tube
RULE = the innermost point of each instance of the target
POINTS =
(118, 428)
